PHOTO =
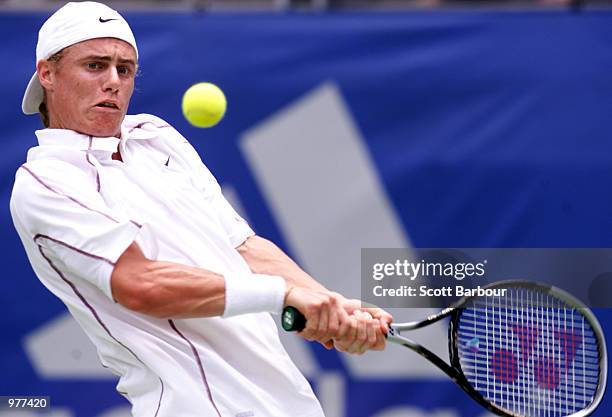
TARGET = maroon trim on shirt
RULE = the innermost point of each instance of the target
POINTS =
(199, 362)
(93, 310)
(82, 252)
(74, 200)
(91, 163)
(161, 394)
(140, 125)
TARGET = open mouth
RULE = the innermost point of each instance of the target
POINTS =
(107, 105)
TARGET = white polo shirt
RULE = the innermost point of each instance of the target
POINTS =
(77, 210)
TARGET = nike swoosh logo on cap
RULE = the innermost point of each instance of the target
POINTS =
(106, 20)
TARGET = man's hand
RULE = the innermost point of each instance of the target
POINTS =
(325, 315)
(381, 315)
(368, 335)
(334, 321)
(372, 327)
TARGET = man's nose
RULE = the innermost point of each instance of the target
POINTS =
(112, 80)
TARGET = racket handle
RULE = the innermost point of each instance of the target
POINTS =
(292, 320)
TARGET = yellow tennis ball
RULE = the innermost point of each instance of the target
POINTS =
(204, 104)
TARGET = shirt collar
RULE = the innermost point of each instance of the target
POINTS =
(100, 146)
(77, 141)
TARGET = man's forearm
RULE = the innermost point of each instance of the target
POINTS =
(264, 257)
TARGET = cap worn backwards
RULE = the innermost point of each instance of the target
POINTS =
(74, 23)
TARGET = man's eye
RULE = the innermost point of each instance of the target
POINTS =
(93, 65)
(123, 70)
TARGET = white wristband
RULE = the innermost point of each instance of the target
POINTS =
(254, 293)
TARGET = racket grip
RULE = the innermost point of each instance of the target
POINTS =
(292, 320)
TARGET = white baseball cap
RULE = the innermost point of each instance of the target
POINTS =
(75, 22)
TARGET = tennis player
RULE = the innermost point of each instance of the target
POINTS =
(123, 222)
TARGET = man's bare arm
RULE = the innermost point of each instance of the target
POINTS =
(355, 334)
(166, 289)
(264, 257)
(171, 290)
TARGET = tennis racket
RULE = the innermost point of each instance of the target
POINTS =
(532, 350)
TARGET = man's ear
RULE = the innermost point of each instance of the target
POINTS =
(46, 74)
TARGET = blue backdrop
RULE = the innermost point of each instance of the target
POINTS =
(485, 129)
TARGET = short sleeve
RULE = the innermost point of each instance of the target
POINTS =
(56, 206)
(235, 226)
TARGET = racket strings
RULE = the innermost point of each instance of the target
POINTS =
(530, 353)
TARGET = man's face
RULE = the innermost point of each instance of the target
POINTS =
(89, 89)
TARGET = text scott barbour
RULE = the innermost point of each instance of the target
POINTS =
(407, 270)
(425, 291)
